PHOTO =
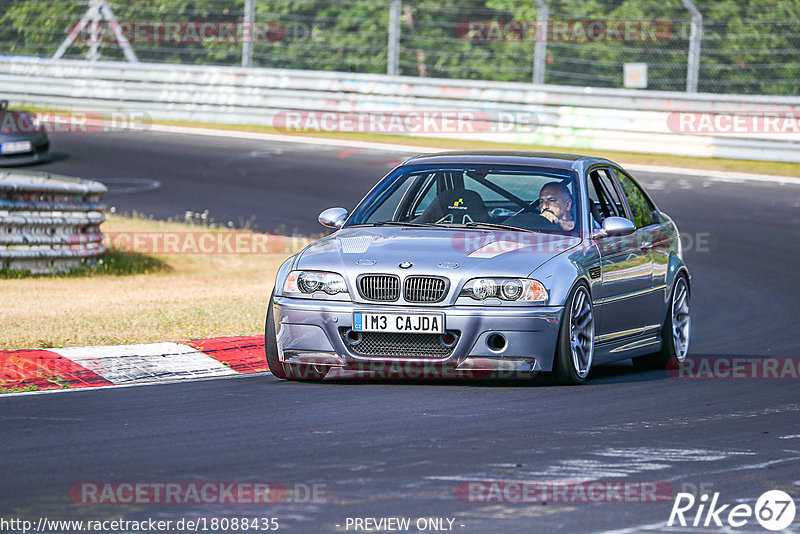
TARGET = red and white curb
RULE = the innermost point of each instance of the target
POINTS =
(80, 367)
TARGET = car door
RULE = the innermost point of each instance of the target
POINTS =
(624, 293)
(650, 238)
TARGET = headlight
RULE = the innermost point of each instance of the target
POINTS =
(30, 123)
(512, 289)
(312, 281)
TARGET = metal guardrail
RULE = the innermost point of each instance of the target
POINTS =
(49, 223)
(569, 117)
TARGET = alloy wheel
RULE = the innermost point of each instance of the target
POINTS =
(581, 332)
(681, 321)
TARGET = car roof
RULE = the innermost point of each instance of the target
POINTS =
(510, 157)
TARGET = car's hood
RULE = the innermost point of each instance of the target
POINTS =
(456, 254)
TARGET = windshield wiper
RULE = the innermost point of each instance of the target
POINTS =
(471, 224)
(398, 223)
(495, 226)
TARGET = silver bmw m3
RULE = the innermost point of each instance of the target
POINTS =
(486, 264)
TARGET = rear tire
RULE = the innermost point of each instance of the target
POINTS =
(575, 348)
(674, 334)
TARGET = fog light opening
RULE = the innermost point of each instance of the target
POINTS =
(353, 337)
(448, 340)
(496, 342)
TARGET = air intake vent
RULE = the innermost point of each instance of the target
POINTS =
(392, 345)
(425, 289)
(595, 272)
(379, 287)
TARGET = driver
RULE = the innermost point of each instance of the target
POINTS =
(555, 205)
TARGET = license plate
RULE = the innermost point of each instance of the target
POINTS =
(407, 323)
(15, 147)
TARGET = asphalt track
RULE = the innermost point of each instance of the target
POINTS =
(401, 449)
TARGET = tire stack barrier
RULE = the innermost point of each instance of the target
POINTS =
(49, 223)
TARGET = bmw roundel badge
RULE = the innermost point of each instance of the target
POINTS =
(405, 264)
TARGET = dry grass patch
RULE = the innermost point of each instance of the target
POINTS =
(179, 297)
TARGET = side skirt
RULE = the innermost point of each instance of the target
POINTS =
(627, 348)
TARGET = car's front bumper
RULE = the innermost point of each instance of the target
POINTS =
(39, 153)
(309, 332)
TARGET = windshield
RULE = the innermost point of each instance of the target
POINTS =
(524, 198)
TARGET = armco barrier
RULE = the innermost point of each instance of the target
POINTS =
(49, 223)
(570, 117)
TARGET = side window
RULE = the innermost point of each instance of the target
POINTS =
(641, 208)
(604, 200)
(611, 192)
(595, 212)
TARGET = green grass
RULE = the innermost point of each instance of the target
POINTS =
(113, 263)
(19, 390)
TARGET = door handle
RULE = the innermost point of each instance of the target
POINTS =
(646, 245)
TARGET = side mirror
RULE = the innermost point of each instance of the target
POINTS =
(615, 226)
(3, 105)
(333, 217)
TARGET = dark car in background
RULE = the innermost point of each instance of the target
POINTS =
(22, 138)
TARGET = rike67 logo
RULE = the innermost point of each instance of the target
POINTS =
(774, 510)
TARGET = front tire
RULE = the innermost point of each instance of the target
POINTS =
(279, 369)
(271, 345)
(674, 334)
(575, 349)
